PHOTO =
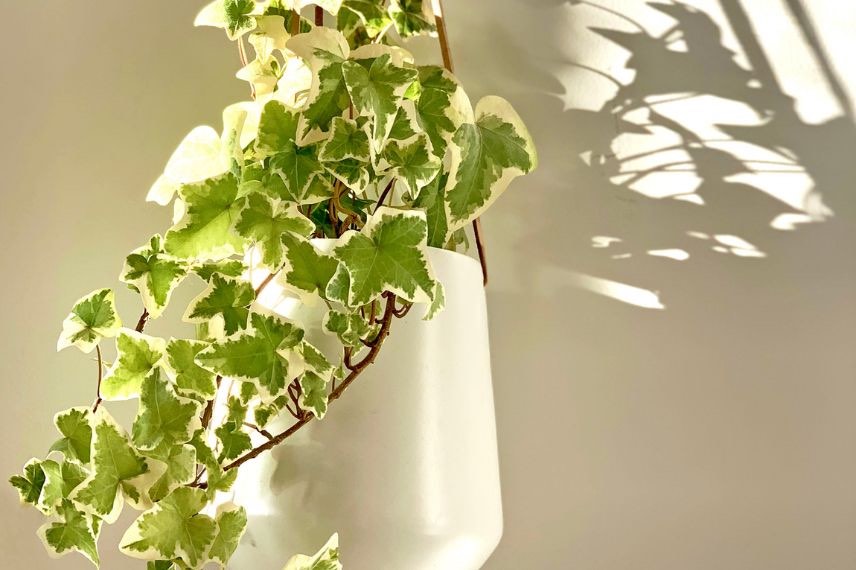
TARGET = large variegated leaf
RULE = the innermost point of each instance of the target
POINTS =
(227, 300)
(487, 154)
(115, 466)
(190, 378)
(61, 478)
(324, 51)
(75, 427)
(255, 355)
(164, 417)
(388, 254)
(155, 274)
(179, 468)
(72, 531)
(138, 355)
(325, 559)
(92, 318)
(174, 528)
(264, 222)
(377, 85)
(206, 230)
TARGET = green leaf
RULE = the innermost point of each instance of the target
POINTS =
(410, 18)
(388, 255)
(339, 286)
(377, 86)
(74, 425)
(438, 303)
(30, 484)
(347, 140)
(265, 222)
(180, 462)
(307, 269)
(326, 559)
(226, 299)
(190, 378)
(353, 173)
(350, 328)
(234, 16)
(154, 274)
(60, 480)
(92, 318)
(277, 129)
(370, 15)
(313, 394)
(225, 268)
(233, 440)
(441, 106)
(487, 155)
(163, 416)
(324, 51)
(431, 200)
(74, 531)
(231, 524)
(254, 356)
(115, 466)
(411, 163)
(173, 528)
(206, 231)
(137, 356)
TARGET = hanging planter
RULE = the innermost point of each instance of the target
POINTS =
(339, 379)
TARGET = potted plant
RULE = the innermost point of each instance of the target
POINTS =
(329, 205)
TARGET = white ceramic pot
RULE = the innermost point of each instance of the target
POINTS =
(404, 467)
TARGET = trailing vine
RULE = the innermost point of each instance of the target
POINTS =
(326, 189)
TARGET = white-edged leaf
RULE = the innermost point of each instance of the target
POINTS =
(92, 318)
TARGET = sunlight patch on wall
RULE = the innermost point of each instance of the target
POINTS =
(676, 254)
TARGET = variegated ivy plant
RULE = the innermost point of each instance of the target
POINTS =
(346, 140)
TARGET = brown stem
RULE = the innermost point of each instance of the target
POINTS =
(334, 395)
(141, 323)
(295, 23)
(257, 429)
(319, 16)
(209, 408)
(477, 232)
(267, 280)
(100, 376)
(383, 195)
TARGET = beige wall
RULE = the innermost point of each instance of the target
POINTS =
(690, 408)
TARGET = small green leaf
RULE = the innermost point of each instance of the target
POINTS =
(74, 531)
(137, 356)
(190, 378)
(233, 440)
(410, 17)
(388, 255)
(206, 231)
(377, 87)
(115, 464)
(60, 480)
(154, 274)
(225, 268)
(30, 484)
(92, 318)
(347, 140)
(307, 269)
(431, 200)
(226, 299)
(411, 163)
(265, 222)
(231, 524)
(313, 394)
(438, 303)
(173, 528)
(487, 155)
(350, 328)
(370, 15)
(180, 462)
(74, 425)
(441, 106)
(163, 416)
(254, 355)
(326, 559)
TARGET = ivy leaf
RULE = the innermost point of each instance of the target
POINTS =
(441, 106)
(438, 303)
(137, 356)
(60, 480)
(387, 255)
(231, 524)
(347, 140)
(265, 222)
(254, 356)
(205, 232)
(431, 200)
(411, 163)
(377, 86)
(190, 378)
(226, 299)
(339, 286)
(351, 172)
(233, 440)
(350, 328)
(154, 274)
(487, 155)
(30, 484)
(306, 269)
(74, 531)
(173, 528)
(326, 559)
(313, 394)
(180, 462)
(225, 268)
(92, 318)
(74, 425)
(277, 129)
(370, 14)
(115, 465)
(163, 416)
(234, 16)
(324, 51)
(410, 17)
